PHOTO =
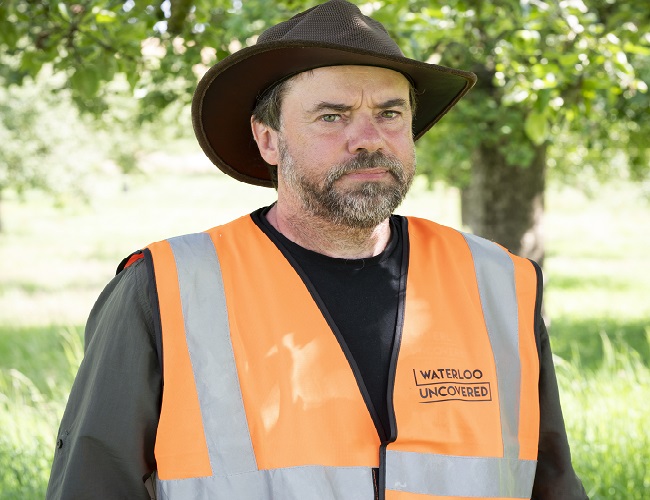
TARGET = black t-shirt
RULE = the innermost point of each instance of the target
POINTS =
(359, 299)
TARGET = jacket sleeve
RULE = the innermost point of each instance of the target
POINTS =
(105, 443)
(555, 478)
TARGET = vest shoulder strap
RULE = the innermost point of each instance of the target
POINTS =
(152, 291)
(129, 260)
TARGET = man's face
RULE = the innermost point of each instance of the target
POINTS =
(346, 151)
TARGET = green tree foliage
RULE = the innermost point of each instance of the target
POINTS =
(47, 146)
(562, 83)
(159, 47)
(562, 88)
(545, 68)
(44, 144)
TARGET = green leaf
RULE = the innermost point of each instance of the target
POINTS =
(106, 66)
(103, 16)
(543, 98)
(8, 33)
(86, 81)
(31, 63)
(631, 48)
(568, 59)
(536, 127)
(63, 10)
(133, 77)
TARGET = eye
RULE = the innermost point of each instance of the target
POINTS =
(390, 114)
(330, 118)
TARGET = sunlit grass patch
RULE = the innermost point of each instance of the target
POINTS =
(607, 413)
(29, 417)
(579, 339)
(42, 355)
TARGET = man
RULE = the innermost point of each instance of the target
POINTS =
(320, 348)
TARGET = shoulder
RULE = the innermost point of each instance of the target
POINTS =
(125, 298)
(448, 243)
(419, 227)
(128, 282)
(424, 231)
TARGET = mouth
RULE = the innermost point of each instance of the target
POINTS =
(368, 174)
(368, 168)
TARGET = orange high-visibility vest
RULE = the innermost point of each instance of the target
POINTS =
(260, 401)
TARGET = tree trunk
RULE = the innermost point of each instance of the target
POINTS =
(505, 203)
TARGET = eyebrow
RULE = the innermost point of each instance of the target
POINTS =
(342, 108)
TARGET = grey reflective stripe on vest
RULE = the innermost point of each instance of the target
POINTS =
(495, 275)
(213, 362)
(292, 483)
(507, 477)
(454, 476)
(234, 468)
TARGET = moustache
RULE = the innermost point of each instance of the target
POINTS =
(367, 160)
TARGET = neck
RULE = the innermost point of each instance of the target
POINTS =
(318, 235)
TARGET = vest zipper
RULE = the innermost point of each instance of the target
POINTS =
(397, 341)
(381, 491)
(375, 479)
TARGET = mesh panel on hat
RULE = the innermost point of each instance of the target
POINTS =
(335, 22)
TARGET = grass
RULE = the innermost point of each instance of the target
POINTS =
(579, 340)
(41, 354)
(597, 271)
(607, 411)
(30, 415)
(54, 263)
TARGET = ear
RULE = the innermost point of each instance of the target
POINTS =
(267, 141)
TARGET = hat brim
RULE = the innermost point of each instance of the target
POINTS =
(227, 93)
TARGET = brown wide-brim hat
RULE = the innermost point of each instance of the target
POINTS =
(332, 34)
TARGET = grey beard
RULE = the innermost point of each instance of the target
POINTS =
(363, 207)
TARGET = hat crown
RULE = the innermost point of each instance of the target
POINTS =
(336, 22)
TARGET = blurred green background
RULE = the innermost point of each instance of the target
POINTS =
(548, 155)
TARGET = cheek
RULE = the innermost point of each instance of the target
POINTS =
(321, 149)
(312, 158)
(405, 149)
(399, 134)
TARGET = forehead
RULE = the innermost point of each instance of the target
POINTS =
(348, 82)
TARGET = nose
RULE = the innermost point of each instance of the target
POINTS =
(364, 135)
